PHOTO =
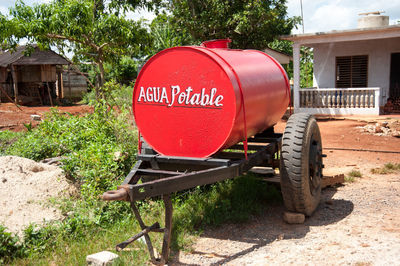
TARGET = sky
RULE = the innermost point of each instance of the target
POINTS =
(319, 15)
(327, 15)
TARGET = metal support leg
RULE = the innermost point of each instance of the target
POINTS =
(155, 228)
(167, 229)
(146, 236)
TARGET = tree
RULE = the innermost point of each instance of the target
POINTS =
(165, 34)
(93, 30)
(250, 24)
(306, 61)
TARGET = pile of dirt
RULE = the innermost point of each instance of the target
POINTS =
(385, 128)
(26, 187)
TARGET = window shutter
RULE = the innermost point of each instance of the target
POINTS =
(352, 71)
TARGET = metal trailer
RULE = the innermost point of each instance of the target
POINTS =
(297, 153)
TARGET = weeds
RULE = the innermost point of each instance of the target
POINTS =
(387, 169)
(352, 175)
(99, 150)
(228, 201)
(7, 138)
(89, 145)
(10, 248)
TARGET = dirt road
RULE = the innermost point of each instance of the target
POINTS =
(356, 224)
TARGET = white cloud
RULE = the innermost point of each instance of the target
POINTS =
(3, 10)
(325, 15)
(141, 14)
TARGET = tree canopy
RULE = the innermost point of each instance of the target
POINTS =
(250, 24)
(92, 30)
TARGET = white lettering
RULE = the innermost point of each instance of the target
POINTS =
(204, 97)
(175, 90)
(142, 94)
(181, 98)
(186, 97)
(156, 91)
(164, 95)
(195, 100)
(149, 94)
(188, 90)
(218, 99)
(213, 92)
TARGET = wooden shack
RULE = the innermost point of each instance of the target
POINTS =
(34, 78)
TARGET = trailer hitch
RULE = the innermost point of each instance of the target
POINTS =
(122, 193)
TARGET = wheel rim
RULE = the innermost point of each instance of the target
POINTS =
(315, 165)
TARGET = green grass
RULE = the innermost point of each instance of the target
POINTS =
(206, 206)
(352, 175)
(387, 169)
(7, 138)
(89, 145)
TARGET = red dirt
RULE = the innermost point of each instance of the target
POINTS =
(11, 118)
(344, 134)
(341, 133)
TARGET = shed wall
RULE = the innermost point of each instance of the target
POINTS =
(74, 85)
(3, 74)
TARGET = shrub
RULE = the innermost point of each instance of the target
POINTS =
(99, 148)
(7, 138)
(386, 169)
(10, 248)
(354, 173)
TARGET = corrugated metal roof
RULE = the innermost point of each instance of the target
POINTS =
(37, 57)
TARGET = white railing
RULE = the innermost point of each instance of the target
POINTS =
(340, 100)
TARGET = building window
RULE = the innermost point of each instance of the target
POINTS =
(352, 71)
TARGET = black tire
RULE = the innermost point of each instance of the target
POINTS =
(301, 164)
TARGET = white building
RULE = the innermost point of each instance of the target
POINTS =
(355, 71)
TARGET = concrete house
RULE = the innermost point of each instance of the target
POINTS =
(356, 71)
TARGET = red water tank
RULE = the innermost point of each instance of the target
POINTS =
(194, 101)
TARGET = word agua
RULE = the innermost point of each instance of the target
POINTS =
(160, 95)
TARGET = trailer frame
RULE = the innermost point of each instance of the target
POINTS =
(162, 175)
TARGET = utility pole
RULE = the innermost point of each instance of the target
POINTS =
(302, 17)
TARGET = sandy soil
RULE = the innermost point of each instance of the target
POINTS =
(11, 118)
(26, 187)
(356, 224)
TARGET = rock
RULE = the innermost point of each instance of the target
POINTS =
(101, 259)
(36, 117)
(385, 124)
(4, 180)
(378, 130)
(119, 156)
(396, 134)
(293, 217)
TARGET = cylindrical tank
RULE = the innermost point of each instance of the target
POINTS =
(194, 101)
(373, 21)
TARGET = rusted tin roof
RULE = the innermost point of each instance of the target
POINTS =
(37, 57)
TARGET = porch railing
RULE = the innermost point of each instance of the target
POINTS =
(340, 100)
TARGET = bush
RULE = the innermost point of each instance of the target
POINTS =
(10, 248)
(99, 148)
(388, 168)
(7, 138)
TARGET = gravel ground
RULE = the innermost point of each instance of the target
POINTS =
(355, 224)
